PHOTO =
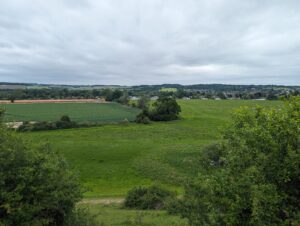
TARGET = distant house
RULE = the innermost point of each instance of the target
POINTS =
(186, 98)
(154, 98)
(133, 98)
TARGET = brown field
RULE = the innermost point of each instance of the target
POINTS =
(54, 101)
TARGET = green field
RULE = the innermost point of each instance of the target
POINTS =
(112, 159)
(79, 112)
(113, 215)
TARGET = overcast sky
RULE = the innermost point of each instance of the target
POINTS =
(130, 42)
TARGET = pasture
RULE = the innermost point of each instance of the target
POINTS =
(112, 159)
(79, 112)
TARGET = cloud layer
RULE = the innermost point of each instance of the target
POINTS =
(150, 41)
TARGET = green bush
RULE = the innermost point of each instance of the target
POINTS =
(143, 118)
(148, 198)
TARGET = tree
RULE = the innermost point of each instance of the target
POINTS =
(124, 99)
(165, 109)
(143, 102)
(37, 186)
(257, 178)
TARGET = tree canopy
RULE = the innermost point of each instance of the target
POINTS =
(253, 176)
(36, 187)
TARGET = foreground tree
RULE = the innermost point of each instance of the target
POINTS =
(36, 186)
(253, 177)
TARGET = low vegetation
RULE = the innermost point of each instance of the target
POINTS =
(148, 198)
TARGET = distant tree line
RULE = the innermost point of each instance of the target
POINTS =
(122, 95)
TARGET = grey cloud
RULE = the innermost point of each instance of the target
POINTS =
(150, 41)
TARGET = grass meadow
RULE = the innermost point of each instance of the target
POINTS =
(111, 159)
(113, 215)
(79, 112)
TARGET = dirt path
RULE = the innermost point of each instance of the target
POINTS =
(104, 201)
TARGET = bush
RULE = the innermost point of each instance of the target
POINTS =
(64, 123)
(65, 118)
(143, 118)
(147, 198)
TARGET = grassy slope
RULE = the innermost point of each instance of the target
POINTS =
(113, 215)
(114, 158)
(79, 112)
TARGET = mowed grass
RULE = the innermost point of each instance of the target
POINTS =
(79, 112)
(112, 159)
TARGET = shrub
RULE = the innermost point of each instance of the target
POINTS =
(143, 118)
(147, 198)
(65, 118)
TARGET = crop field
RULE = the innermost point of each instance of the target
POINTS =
(112, 159)
(79, 112)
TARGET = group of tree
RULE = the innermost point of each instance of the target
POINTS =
(253, 176)
(37, 186)
(165, 108)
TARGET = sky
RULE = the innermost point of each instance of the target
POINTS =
(133, 42)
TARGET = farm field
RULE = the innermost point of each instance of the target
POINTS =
(112, 159)
(79, 112)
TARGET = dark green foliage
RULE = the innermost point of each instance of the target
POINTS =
(143, 117)
(80, 217)
(65, 118)
(165, 109)
(253, 177)
(113, 95)
(124, 99)
(37, 186)
(64, 123)
(147, 198)
(144, 102)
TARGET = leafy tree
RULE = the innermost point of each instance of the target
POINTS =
(36, 186)
(165, 109)
(253, 176)
(124, 99)
(143, 102)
